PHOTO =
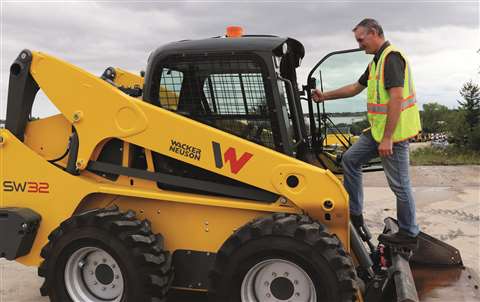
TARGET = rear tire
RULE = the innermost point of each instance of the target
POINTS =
(105, 255)
(282, 257)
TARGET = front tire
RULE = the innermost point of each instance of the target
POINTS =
(105, 255)
(282, 257)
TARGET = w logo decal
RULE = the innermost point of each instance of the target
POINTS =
(229, 156)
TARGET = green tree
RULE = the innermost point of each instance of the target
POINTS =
(471, 104)
(474, 138)
(457, 134)
(434, 117)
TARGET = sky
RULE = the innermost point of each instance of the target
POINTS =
(440, 38)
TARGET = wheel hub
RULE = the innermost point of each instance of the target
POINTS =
(277, 280)
(93, 275)
(282, 288)
(104, 274)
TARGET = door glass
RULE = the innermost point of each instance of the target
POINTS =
(337, 71)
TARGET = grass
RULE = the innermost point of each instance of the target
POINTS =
(451, 155)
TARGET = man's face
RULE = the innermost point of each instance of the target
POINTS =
(366, 40)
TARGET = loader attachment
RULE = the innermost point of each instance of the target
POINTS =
(386, 272)
(430, 251)
(450, 283)
(399, 271)
(434, 272)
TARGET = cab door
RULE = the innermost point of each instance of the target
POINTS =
(336, 124)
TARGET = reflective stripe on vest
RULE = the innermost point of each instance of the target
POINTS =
(382, 108)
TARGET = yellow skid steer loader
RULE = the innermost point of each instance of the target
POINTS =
(199, 175)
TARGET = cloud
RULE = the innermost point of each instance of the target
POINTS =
(442, 59)
(440, 38)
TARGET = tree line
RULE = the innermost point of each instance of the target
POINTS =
(462, 125)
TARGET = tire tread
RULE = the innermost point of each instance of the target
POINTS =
(146, 248)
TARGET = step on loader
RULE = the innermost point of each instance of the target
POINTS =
(201, 175)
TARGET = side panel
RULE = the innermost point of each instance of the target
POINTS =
(188, 226)
(28, 181)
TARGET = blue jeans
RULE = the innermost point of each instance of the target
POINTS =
(396, 171)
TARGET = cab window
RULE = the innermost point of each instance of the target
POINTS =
(230, 94)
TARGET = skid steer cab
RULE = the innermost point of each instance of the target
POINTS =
(209, 173)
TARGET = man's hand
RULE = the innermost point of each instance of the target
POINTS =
(318, 96)
(386, 147)
(340, 93)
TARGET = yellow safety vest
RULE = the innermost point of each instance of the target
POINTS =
(408, 124)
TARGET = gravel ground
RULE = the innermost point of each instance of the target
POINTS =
(448, 208)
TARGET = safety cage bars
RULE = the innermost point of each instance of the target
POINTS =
(226, 92)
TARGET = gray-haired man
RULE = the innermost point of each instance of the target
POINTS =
(394, 118)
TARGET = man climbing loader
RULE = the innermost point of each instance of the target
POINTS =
(198, 177)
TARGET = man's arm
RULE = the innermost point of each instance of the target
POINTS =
(340, 93)
(394, 108)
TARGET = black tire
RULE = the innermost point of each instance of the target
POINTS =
(145, 266)
(294, 238)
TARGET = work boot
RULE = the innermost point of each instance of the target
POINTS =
(401, 238)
